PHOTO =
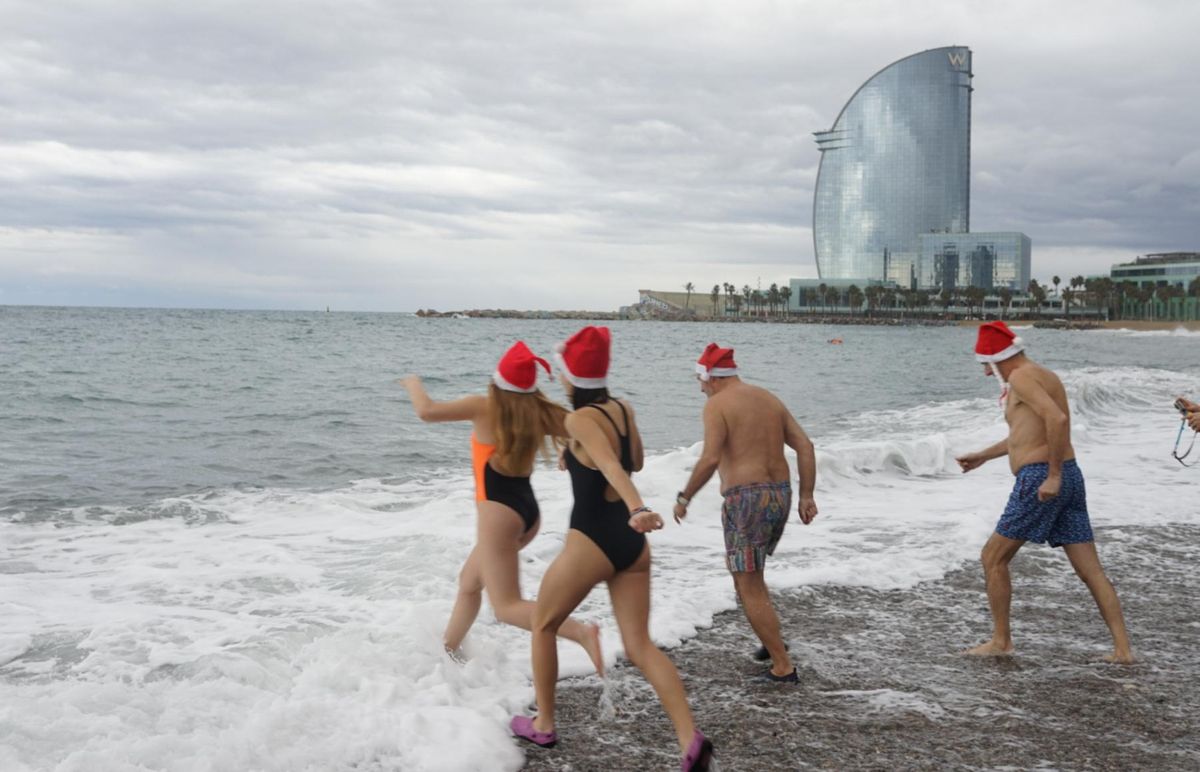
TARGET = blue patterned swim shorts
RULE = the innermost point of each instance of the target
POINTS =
(753, 517)
(1061, 520)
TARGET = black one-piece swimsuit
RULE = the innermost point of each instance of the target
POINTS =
(605, 522)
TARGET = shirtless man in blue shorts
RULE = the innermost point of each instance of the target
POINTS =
(1048, 502)
(745, 430)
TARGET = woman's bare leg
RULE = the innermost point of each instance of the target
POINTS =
(466, 605)
(501, 536)
(630, 592)
(578, 568)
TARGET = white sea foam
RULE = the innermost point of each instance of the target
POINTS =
(284, 630)
(892, 701)
(1177, 332)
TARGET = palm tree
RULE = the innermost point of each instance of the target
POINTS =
(854, 296)
(872, 294)
(773, 296)
(889, 299)
(785, 294)
(757, 299)
(1126, 290)
(1104, 291)
(832, 296)
(716, 293)
(946, 297)
(922, 299)
(689, 287)
(973, 296)
(1067, 295)
(1038, 292)
(1006, 296)
(1056, 281)
(822, 290)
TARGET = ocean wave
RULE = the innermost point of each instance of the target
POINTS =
(314, 617)
(1178, 332)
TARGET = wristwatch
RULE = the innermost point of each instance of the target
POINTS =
(682, 500)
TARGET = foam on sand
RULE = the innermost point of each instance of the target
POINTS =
(284, 630)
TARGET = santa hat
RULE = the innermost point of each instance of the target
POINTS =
(716, 362)
(583, 357)
(517, 370)
(996, 343)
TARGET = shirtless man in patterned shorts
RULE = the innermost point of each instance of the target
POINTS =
(1048, 502)
(745, 430)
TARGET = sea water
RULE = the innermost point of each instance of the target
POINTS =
(227, 543)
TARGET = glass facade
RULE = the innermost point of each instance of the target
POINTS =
(985, 260)
(895, 165)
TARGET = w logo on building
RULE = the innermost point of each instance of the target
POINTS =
(957, 58)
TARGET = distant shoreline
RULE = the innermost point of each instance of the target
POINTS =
(1073, 325)
(1091, 324)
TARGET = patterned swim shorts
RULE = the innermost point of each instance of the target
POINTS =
(1061, 520)
(754, 517)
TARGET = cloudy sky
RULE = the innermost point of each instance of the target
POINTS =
(401, 155)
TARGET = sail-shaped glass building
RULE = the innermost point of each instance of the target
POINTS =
(895, 165)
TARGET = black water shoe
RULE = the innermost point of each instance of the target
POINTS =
(762, 655)
(791, 678)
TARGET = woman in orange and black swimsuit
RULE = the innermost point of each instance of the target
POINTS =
(510, 424)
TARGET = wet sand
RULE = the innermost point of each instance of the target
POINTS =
(883, 686)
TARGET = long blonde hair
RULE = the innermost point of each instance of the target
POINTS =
(522, 423)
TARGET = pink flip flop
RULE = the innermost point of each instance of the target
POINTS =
(698, 755)
(522, 729)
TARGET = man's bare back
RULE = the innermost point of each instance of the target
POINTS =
(756, 426)
(1027, 440)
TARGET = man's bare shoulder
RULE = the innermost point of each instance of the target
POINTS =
(1034, 374)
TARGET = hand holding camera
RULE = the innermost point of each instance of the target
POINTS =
(1190, 412)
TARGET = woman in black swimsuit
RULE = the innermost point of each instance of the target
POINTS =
(510, 423)
(606, 543)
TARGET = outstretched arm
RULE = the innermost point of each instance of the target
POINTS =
(806, 465)
(465, 409)
(596, 443)
(715, 432)
(974, 460)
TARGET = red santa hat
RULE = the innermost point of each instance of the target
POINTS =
(996, 343)
(583, 357)
(716, 362)
(517, 370)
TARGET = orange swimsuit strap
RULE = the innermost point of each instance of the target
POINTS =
(480, 453)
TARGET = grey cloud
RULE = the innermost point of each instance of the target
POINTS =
(407, 155)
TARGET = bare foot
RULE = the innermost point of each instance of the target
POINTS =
(990, 649)
(591, 644)
(1120, 658)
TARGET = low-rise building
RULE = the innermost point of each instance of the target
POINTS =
(1160, 270)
